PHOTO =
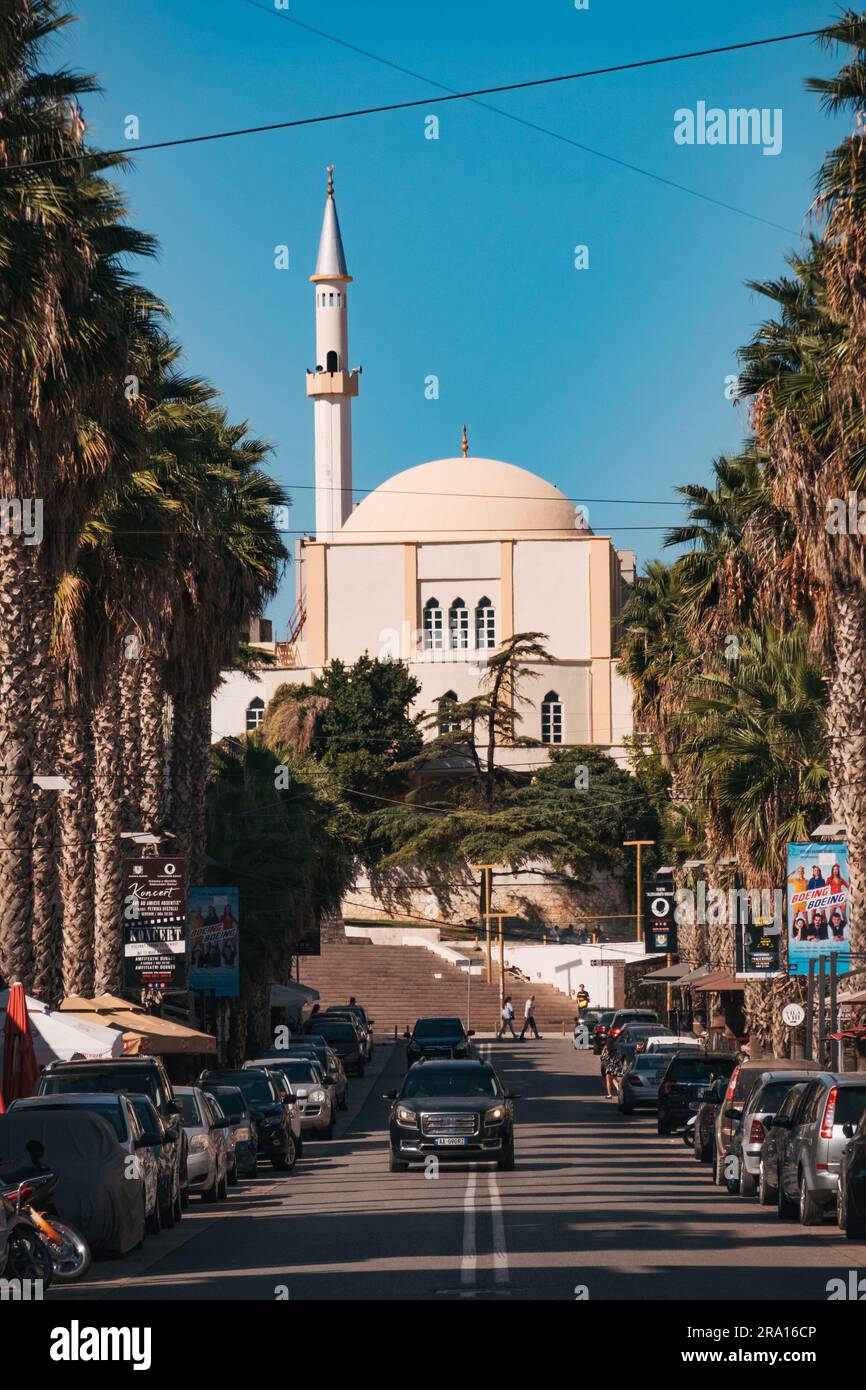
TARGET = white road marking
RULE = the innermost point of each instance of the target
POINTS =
(500, 1251)
(469, 1263)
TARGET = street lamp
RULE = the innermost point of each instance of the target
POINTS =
(638, 845)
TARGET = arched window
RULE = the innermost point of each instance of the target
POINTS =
(255, 714)
(432, 625)
(447, 723)
(332, 362)
(485, 624)
(551, 718)
(458, 625)
(331, 297)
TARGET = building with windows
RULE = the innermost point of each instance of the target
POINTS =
(440, 565)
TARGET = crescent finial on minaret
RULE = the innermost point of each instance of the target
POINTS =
(464, 445)
(330, 172)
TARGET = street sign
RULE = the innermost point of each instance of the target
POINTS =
(793, 1015)
(154, 927)
(602, 962)
(660, 927)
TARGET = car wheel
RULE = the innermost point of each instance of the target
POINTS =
(703, 1152)
(625, 1109)
(210, 1194)
(664, 1125)
(361, 1069)
(344, 1102)
(748, 1184)
(153, 1223)
(328, 1132)
(811, 1212)
(506, 1163)
(719, 1169)
(784, 1206)
(284, 1163)
(166, 1215)
(396, 1165)
(233, 1173)
(853, 1225)
(223, 1189)
(766, 1190)
(689, 1137)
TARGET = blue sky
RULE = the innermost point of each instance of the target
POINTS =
(610, 381)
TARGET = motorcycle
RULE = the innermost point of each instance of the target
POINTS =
(24, 1256)
(689, 1131)
(27, 1191)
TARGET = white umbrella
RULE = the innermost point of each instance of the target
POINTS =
(59, 1038)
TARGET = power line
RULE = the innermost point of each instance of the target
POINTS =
(386, 107)
(492, 496)
(520, 120)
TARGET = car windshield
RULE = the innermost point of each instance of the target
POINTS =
(438, 1028)
(440, 1081)
(189, 1110)
(770, 1097)
(110, 1110)
(302, 1071)
(256, 1089)
(110, 1081)
(145, 1114)
(231, 1100)
(700, 1069)
(338, 1032)
(850, 1105)
(647, 1061)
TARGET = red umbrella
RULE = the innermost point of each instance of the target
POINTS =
(19, 1055)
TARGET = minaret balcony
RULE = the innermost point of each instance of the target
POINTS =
(332, 383)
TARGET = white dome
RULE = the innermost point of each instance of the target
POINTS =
(460, 499)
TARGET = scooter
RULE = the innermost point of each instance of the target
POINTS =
(28, 1192)
(689, 1131)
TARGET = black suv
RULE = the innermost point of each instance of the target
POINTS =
(437, 1037)
(343, 1037)
(688, 1074)
(129, 1076)
(458, 1111)
(274, 1137)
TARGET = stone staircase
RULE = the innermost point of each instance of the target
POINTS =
(397, 984)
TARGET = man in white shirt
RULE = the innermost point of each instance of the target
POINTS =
(507, 1018)
(529, 1019)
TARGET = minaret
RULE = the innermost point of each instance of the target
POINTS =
(332, 385)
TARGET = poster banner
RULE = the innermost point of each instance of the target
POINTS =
(214, 941)
(309, 944)
(154, 925)
(759, 950)
(660, 927)
(818, 906)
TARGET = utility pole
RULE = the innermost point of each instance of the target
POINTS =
(638, 917)
(486, 871)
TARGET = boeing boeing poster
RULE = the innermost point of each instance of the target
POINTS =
(818, 906)
(213, 941)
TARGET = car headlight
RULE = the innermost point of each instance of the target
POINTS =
(318, 1097)
(243, 1135)
(405, 1116)
(495, 1116)
(197, 1143)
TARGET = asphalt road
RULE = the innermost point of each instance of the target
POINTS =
(598, 1206)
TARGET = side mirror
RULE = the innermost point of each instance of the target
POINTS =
(848, 1131)
(782, 1121)
(389, 1095)
(470, 1032)
(147, 1141)
(218, 1124)
(175, 1108)
(513, 1095)
(406, 1034)
(172, 1134)
(735, 1114)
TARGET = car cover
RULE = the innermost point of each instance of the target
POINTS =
(93, 1193)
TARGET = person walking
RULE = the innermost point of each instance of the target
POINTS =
(507, 1018)
(529, 1019)
(582, 1000)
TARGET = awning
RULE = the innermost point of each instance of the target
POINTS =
(667, 975)
(143, 1033)
(692, 975)
(850, 1035)
(292, 995)
(858, 998)
(60, 1038)
(720, 982)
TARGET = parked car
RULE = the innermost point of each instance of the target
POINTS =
(131, 1076)
(623, 1017)
(154, 1138)
(750, 1118)
(458, 1110)
(119, 1112)
(729, 1113)
(275, 1139)
(775, 1133)
(315, 1095)
(851, 1194)
(599, 1030)
(277, 1072)
(686, 1074)
(208, 1160)
(673, 1042)
(242, 1143)
(633, 1039)
(639, 1083)
(344, 1038)
(816, 1139)
(354, 1013)
(330, 1063)
(438, 1037)
(705, 1106)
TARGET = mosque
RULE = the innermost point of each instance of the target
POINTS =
(439, 566)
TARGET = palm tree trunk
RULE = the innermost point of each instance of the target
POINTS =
(130, 695)
(191, 739)
(152, 699)
(18, 598)
(47, 931)
(76, 863)
(847, 761)
(108, 854)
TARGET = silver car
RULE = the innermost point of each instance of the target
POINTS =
(639, 1082)
(810, 1149)
(741, 1167)
(316, 1096)
(205, 1131)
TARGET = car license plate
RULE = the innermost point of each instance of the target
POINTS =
(451, 1143)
